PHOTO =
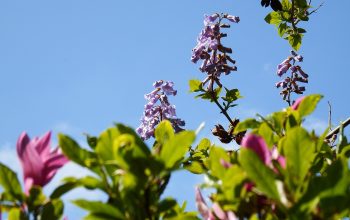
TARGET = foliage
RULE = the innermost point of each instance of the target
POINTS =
(277, 170)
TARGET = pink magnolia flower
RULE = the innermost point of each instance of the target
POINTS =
(38, 162)
(259, 146)
(207, 213)
(297, 102)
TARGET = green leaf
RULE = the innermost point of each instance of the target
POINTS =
(36, 198)
(92, 141)
(309, 104)
(231, 95)
(195, 85)
(259, 173)
(203, 145)
(62, 189)
(299, 151)
(273, 18)
(214, 162)
(195, 167)
(10, 183)
(295, 41)
(249, 123)
(16, 214)
(74, 152)
(166, 204)
(99, 208)
(282, 28)
(164, 132)
(176, 147)
(52, 209)
(286, 5)
(209, 95)
(301, 3)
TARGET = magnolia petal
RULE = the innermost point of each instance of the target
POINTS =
(219, 212)
(258, 145)
(31, 162)
(201, 204)
(42, 146)
(297, 102)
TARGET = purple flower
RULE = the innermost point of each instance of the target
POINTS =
(232, 18)
(283, 67)
(38, 162)
(291, 83)
(155, 113)
(208, 19)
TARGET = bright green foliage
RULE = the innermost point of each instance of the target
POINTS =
(287, 20)
(313, 184)
(10, 183)
(132, 175)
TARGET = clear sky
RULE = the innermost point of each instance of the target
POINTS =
(78, 66)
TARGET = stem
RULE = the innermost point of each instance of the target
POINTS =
(223, 111)
(292, 16)
(337, 129)
(105, 180)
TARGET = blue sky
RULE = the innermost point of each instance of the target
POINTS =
(78, 66)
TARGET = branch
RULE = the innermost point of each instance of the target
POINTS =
(337, 129)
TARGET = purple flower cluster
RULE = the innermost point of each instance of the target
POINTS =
(155, 113)
(290, 84)
(210, 50)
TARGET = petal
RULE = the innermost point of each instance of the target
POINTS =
(258, 145)
(56, 161)
(296, 104)
(201, 204)
(31, 162)
(43, 145)
(28, 183)
(219, 212)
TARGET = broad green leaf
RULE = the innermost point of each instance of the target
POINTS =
(16, 214)
(282, 28)
(100, 208)
(214, 162)
(75, 153)
(166, 204)
(10, 183)
(104, 147)
(195, 85)
(273, 18)
(333, 184)
(194, 167)
(62, 189)
(295, 41)
(52, 209)
(231, 95)
(301, 3)
(286, 5)
(299, 151)
(36, 198)
(309, 104)
(141, 146)
(176, 147)
(92, 141)
(204, 144)
(266, 132)
(249, 123)
(164, 132)
(259, 173)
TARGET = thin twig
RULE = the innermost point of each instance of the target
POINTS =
(315, 10)
(337, 129)
(330, 116)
